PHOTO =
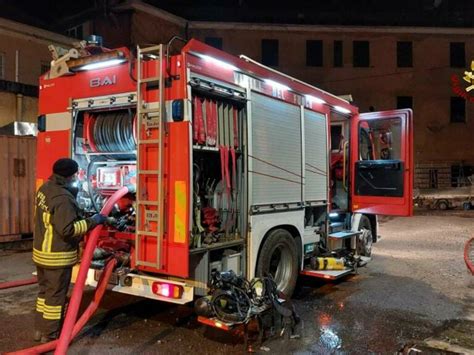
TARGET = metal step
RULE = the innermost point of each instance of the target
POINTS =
(336, 226)
(147, 202)
(148, 172)
(147, 233)
(148, 141)
(344, 234)
(327, 274)
(156, 48)
(150, 79)
(148, 111)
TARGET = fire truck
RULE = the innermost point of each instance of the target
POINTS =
(237, 166)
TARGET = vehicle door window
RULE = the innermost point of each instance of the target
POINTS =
(380, 139)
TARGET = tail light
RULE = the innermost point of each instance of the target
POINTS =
(167, 290)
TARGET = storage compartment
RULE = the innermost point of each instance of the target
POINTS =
(217, 170)
(216, 242)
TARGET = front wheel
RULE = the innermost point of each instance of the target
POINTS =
(364, 243)
(279, 258)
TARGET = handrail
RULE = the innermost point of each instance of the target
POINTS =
(344, 158)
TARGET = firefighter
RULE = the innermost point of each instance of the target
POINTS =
(59, 228)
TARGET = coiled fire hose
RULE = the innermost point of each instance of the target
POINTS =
(469, 255)
(70, 329)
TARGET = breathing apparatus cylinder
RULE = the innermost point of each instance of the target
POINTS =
(319, 263)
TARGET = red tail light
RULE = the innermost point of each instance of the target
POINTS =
(167, 290)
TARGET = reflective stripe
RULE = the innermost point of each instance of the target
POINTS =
(55, 254)
(40, 304)
(80, 227)
(84, 223)
(55, 258)
(52, 316)
(52, 309)
(48, 232)
(44, 262)
(45, 240)
(77, 229)
(52, 312)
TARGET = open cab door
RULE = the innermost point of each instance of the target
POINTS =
(382, 163)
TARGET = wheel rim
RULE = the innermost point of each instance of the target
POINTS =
(365, 241)
(280, 266)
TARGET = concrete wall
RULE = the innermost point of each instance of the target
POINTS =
(148, 29)
(32, 46)
(8, 102)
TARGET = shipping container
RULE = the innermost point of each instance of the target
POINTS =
(17, 180)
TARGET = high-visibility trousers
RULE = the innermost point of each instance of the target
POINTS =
(51, 301)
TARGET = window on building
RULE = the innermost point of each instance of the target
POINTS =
(270, 52)
(45, 66)
(458, 109)
(457, 55)
(404, 102)
(433, 178)
(361, 54)
(75, 32)
(314, 53)
(338, 54)
(2, 65)
(215, 42)
(461, 175)
(404, 54)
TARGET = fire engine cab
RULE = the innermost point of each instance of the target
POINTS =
(237, 166)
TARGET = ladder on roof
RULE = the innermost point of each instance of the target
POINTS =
(150, 158)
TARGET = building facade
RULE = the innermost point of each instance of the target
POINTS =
(382, 68)
(24, 56)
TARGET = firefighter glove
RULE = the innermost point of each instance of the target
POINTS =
(99, 218)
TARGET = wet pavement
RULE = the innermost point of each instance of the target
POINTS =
(415, 291)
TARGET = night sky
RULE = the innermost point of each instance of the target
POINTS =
(51, 14)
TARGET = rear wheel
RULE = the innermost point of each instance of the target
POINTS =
(442, 205)
(364, 243)
(279, 258)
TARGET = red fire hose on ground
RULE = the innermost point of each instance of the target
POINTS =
(70, 329)
(17, 283)
(99, 293)
(469, 255)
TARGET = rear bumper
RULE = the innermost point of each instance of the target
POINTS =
(141, 286)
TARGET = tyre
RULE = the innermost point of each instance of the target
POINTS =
(442, 205)
(364, 242)
(279, 258)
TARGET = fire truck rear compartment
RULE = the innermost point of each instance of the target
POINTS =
(105, 146)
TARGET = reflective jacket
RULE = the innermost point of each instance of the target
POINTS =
(58, 225)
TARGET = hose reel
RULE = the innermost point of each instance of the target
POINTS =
(113, 131)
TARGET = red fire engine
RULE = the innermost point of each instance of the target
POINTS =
(237, 166)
